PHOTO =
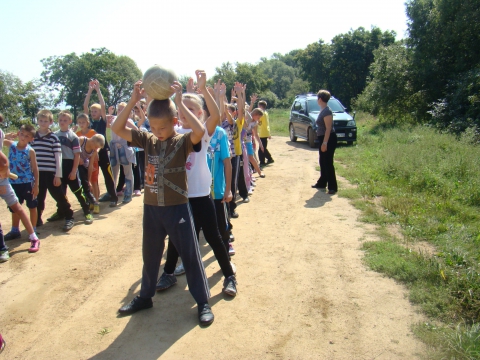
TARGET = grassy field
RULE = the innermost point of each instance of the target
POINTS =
(422, 187)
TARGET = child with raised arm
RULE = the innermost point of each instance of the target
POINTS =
(49, 159)
(166, 209)
(23, 163)
(83, 123)
(70, 161)
(199, 183)
(98, 122)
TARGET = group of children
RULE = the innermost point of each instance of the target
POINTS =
(190, 157)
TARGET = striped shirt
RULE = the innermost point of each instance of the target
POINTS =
(45, 148)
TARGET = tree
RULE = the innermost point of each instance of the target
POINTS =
(314, 64)
(68, 76)
(18, 100)
(351, 57)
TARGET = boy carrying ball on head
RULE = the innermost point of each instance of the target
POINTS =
(166, 209)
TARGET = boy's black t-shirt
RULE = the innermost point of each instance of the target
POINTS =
(100, 126)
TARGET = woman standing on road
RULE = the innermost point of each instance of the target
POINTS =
(328, 143)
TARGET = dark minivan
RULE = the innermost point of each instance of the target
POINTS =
(304, 113)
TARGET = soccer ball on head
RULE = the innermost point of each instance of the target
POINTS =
(157, 81)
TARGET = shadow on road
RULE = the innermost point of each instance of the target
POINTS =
(318, 199)
(300, 144)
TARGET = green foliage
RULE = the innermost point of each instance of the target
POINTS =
(18, 100)
(279, 119)
(68, 76)
(388, 91)
(343, 66)
(428, 184)
(436, 78)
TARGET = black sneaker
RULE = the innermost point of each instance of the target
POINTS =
(205, 314)
(12, 235)
(166, 281)
(39, 222)
(316, 186)
(68, 225)
(106, 197)
(113, 204)
(271, 161)
(55, 217)
(234, 215)
(230, 286)
(135, 305)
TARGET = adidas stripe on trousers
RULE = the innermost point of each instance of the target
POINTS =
(175, 221)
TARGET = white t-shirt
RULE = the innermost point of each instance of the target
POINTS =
(199, 177)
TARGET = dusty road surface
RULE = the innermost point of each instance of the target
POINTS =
(303, 292)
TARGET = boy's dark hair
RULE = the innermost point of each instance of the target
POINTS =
(257, 111)
(29, 129)
(1, 117)
(324, 95)
(262, 103)
(83, 116)
(162, 109)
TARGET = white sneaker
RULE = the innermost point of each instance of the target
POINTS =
(231, 250)
(234, 268)
(4, 256)
(179, 270)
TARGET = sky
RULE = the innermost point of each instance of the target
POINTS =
(183, 35)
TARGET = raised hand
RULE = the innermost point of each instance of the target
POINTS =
(138, 93)
(201, 79)
(253, 98)
(190, 86)
(223, 89)
(216, 87)
(96, 85)
(177, 88)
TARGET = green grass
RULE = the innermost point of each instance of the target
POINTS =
(279, 121)
(427, 184)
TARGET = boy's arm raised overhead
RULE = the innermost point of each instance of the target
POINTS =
(214, 117)
(119, 126)
(87, 98)
(197, 127)
(100, 99)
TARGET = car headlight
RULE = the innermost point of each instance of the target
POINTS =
(351, 123)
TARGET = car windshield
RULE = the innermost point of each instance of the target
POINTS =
(333, 104)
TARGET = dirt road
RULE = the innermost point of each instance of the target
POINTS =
(303, 291)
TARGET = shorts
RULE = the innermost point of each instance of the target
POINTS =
(94, 178)
(249, 147)
(7, 194)
(24, 193)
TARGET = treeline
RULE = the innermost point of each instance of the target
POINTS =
(432, 76)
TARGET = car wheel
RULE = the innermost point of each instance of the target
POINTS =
(349, 143)
(292, 133)
(311, 138)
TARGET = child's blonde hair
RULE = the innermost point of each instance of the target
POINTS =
(96, 106)
(66, 113)
(45, 114)
(99, 139)
(162, 109)
(197, 100)
(257, 111)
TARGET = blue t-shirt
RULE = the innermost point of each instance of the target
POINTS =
(20, 164)
(217, 152)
